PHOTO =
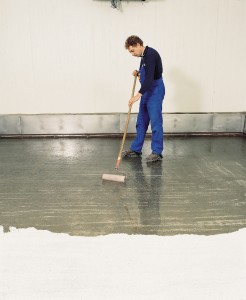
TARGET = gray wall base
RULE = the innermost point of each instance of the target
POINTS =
(244, 129)
(113, 124)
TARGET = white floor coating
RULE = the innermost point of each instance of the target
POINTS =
(43, 265)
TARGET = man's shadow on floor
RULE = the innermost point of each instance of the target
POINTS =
(148, 181)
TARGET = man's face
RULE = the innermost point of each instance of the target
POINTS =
(135, 50)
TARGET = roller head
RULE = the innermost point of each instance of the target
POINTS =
(112, 177)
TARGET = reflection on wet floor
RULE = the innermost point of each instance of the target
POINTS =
(55, 184)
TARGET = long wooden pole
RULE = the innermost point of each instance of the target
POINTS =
(126, 126)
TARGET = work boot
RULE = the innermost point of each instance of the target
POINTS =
(154, 157)
(131, 153)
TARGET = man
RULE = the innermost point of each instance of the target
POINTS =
(152, 93)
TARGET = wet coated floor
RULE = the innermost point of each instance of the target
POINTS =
(175, 230)
(55, 185)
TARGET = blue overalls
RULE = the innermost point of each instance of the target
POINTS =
(150, 111)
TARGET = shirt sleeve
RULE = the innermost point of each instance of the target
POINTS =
(149, 73)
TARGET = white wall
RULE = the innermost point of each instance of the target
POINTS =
(68, 56)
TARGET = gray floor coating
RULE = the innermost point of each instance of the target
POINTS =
(55, 185)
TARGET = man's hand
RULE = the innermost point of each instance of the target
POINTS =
(135, 73)
(134, 99)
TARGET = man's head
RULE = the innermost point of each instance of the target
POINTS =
(134, 45)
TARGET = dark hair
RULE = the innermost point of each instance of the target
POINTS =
(133, 40)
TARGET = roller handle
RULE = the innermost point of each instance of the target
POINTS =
(126, 126)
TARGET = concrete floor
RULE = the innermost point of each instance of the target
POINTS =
(52, 186)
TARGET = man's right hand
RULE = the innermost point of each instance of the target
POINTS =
(135, 73)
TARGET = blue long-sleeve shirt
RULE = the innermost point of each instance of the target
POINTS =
(153, 68)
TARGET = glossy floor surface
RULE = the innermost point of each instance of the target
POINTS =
(55, 184)
(174, 230)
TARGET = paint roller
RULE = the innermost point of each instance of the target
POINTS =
(121, 177)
